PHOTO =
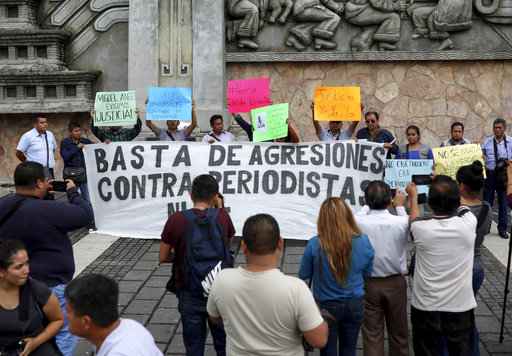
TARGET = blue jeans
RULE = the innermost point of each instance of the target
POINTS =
(193, 319)
(343, 334)
(65, 340)
(84, 191)
(490, 187)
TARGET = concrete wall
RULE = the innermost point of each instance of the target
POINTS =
(430, 95)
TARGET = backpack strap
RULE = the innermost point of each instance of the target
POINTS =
(483, 214)
(170, 135)
(16, 206)
(374, 135)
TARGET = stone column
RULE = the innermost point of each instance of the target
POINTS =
(143, 49)
(208, 62)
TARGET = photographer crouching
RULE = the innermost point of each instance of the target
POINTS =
(497, 151)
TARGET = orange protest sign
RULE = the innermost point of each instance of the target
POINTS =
(337, 104)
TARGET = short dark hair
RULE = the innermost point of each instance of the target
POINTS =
(96, 296)
(261, 234)
(499, 121)
(8, 248)
(413, 127)
(375, 113)
(35, 118)
(472, 176)
(457, 123)
(215, 117)
(73, 125)
(377, 195)
(28, 173)
(204, 188)
(444, 195)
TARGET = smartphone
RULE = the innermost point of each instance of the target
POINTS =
(59, 186)
(422, 198)
(421, 179)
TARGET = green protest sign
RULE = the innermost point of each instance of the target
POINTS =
(115, 108)
(269, 122)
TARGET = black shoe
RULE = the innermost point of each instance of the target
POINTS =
(504, 235)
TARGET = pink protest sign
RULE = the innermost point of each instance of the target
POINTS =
(245, 95)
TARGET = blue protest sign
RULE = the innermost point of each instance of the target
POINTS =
(399, 172)
(169, 104)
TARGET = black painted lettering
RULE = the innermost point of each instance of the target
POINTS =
(213, 161)
(347, 193)
(101, 162)
(137, 164)
(231, 155)
(301, 183)
(376, 167)
(352, 155)
(288, 182)
(300, 153)
(175, 207)
(227, 183)
(312, 178)
(183, 156)
(266, 185)
(168, 182)
(271, 158)
(138, 186)
(319, 157)
(338, 155)
(122, 188)
(362, 158)
(286, 154)
(158, 157)
(256, 156)
(103, 196)
(186, 184)
(243, 178)
(256, 182)
(217, 175)
(118, 159)
(331, 178)
(154, 183)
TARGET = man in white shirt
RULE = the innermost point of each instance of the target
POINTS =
(217, 134)
(386, 292)
(38, 144)
(264, 311)
(92, 311)
(442, 301)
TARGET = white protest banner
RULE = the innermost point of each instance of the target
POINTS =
(135, 186)
(399, 172)
(449, 159)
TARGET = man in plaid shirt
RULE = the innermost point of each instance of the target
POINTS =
(116, 133)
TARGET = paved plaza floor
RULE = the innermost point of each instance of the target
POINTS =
(134, 264)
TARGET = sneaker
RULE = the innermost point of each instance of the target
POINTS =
(504, 235)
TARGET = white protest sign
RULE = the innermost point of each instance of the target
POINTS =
(135, 186)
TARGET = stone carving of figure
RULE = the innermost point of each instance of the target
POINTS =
(380, 22)
(278, 12)
(320, 20)
(437, 21)
(252, 13)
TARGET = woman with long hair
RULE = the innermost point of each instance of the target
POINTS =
(414, 149)
(338, 273)
(23, 304)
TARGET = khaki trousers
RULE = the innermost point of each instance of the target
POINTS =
(385, 301)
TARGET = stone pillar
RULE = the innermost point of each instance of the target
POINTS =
(209, 65)
(143, 49)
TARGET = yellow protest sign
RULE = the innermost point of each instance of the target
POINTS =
(337, 104)
(449, 159)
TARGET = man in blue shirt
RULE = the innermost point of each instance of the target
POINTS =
(38, 144)
(71, 152)
(42, 226)
(497, 149)
(457, 131)
(374, 133)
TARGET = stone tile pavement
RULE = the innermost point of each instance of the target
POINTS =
(133, 263)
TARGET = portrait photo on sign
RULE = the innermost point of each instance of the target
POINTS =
(261, 122)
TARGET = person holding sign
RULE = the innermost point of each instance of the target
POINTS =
(217, 134)
(116, 133)
(334, 132)
(497, 150)
(374, 133)
(457, 130)
(414, 149)
(172, 133)
(338, 273)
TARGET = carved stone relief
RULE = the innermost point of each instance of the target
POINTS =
(362, 29)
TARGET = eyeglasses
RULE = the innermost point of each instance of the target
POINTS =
(371, 121)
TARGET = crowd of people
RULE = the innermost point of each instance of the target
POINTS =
(356, 263)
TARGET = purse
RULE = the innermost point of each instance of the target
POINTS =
(76, 174)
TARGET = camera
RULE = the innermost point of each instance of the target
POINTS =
(501, 163)
(14, 349)
(59, 186)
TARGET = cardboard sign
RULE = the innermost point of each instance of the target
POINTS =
(449, 159)
(115, 108)
(269, 122)
(131, 181)
(169, 104)
(337, 104)
(245, 95)
(399, 172)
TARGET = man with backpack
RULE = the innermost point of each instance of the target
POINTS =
(197, 240)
